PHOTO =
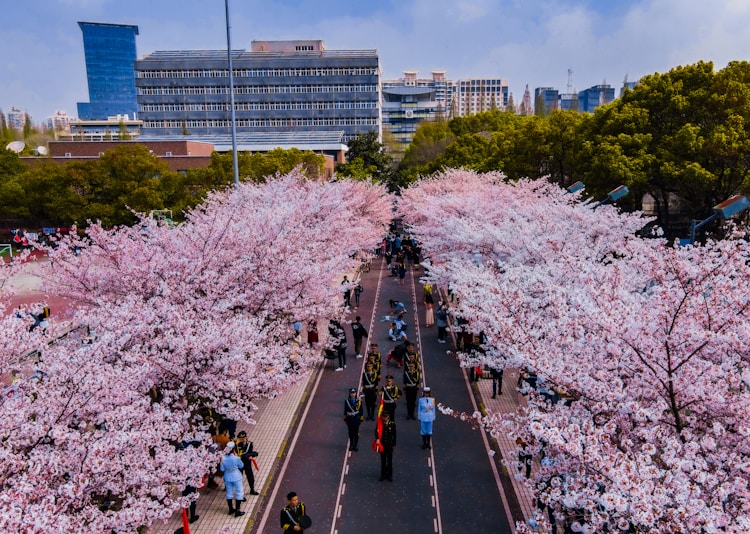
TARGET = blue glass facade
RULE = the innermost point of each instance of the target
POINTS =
(278, 87)
(593, 97)
(110, 56)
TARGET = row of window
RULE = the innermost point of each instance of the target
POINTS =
(258, 106)
(259, 89)
(261, 123)
(257, 73)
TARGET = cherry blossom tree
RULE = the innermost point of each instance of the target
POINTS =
(182, 318)
(646, 343)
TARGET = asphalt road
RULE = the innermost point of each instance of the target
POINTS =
(450, 489)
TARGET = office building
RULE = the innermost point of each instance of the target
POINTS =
(546, 100)
(110, 53)
(475, 95)
(411, 100)
(279, 86)
(593, 97)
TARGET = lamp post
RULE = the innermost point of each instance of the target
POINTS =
(613, 195)
(728, 208)
(235, 164)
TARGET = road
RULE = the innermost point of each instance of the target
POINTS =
(452, 488)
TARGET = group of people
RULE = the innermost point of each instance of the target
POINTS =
(384, 399)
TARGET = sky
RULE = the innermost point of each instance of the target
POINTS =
(534, 42)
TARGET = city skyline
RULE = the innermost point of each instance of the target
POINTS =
(43, 67)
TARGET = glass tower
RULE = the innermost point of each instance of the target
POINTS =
(110, 56)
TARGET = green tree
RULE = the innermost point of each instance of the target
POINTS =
(367, 152)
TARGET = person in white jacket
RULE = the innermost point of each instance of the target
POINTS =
(426, 416)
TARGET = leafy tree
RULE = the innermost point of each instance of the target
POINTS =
(367, 153)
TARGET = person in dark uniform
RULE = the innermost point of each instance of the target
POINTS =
(353, 416)
(370, 380)
(247, 455)
(391, 393)
(411, 388)
(386, 439)
(292, 514)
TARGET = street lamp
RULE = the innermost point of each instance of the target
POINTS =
(725, 210)
(235, 164)
(613, 195)
(574, 188)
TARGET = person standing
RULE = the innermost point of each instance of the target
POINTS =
(293, 514)
(497, 381)
(385, 439)
(426, 416)
(347, 285)
(312, 332)
(353, 415)
(338, 339)
(441, 319)
(231, 466)
(358, 333)
(411, 388)
(358, 289)
(247, 455)
(370, 379)
(390, 394)
(429, 313)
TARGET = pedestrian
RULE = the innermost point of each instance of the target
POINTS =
(497, 381)
(358, 289)
(370, 379)
(347, 285)
(390, 394)
(231, 466)
(293, 516)
(429, 312)
(385, 440)
(524, 457)
(353, 416)
(401, 271)
(441, 319)
(248, 455)
(358, 333)
(411, 388)
(312, 332)
(338, 336)
(426, 417)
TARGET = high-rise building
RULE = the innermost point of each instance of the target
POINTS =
(15, 119)
(59, 122)
(411, 100)
(547, 98)
(475, 95)
(110, 53)
(279, 86)
(593, 97)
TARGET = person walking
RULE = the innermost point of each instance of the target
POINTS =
(385, 441)
(358, 333)
(358, 289)
(426, 414)
(353, 416)
(497, 381)
(347, 285)
(370, 379)
(247, 455)
(293, 516)
(231, 466)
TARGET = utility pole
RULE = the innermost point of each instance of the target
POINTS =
(235, 164)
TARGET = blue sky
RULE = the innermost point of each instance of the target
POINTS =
(531, 42)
